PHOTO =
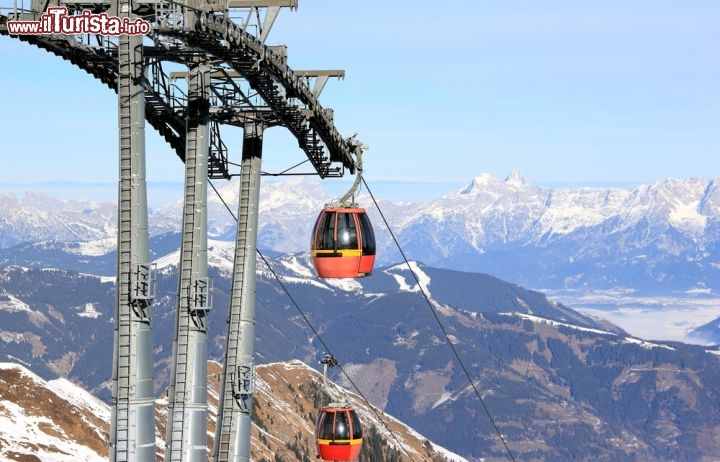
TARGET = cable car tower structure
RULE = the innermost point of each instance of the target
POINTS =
(203, 64)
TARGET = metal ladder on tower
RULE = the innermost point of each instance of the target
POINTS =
(228, 406)
(181, 359)
(121, 374)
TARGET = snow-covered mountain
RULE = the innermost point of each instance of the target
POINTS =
(658, 237)
(548, 374)
(35, 217)
(49, 420)
(661, 237)
(56, 420)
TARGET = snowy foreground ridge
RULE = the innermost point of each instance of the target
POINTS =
(58, 421)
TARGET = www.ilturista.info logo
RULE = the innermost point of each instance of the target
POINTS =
(56, 20)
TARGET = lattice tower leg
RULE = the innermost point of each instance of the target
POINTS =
(132, 431)
(232, 436)
(186, 429)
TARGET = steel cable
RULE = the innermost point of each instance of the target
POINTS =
(440, 324)
(317, 334)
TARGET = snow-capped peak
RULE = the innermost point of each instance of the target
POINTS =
(485, 182)
(480, 184)
(515, 179)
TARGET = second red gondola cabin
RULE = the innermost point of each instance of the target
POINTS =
(338, 434)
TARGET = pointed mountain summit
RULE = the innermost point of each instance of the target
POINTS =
(516, 179)
(485, 182)
(480, 184)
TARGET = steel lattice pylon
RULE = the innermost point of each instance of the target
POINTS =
(228, 76)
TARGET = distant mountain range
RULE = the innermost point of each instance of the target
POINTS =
(660, 238)
(550, 376)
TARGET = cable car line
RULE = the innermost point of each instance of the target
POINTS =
(284, 172)
(317, 334)
(327, 349)
(338, 432)
(442, 328)
(425, 296)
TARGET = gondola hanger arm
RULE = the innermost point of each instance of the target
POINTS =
(348, 199)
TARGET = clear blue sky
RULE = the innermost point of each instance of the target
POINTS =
(567, 92)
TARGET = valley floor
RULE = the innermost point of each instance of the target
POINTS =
(651, 318)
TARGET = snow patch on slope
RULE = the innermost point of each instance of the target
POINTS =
(12, 304)
(407, 282)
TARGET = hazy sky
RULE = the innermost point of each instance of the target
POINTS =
(567, 92)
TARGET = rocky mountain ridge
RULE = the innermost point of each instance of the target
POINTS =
(57, 420)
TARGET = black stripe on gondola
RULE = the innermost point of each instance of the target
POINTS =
(323, 255)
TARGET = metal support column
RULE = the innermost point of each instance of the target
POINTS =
(186, 429)
(232, 436)
(132, 433)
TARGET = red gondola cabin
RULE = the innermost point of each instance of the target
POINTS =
(343, 243)
(338, 434)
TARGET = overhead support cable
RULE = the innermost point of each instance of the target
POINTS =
(284, 172)
(440, 324)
